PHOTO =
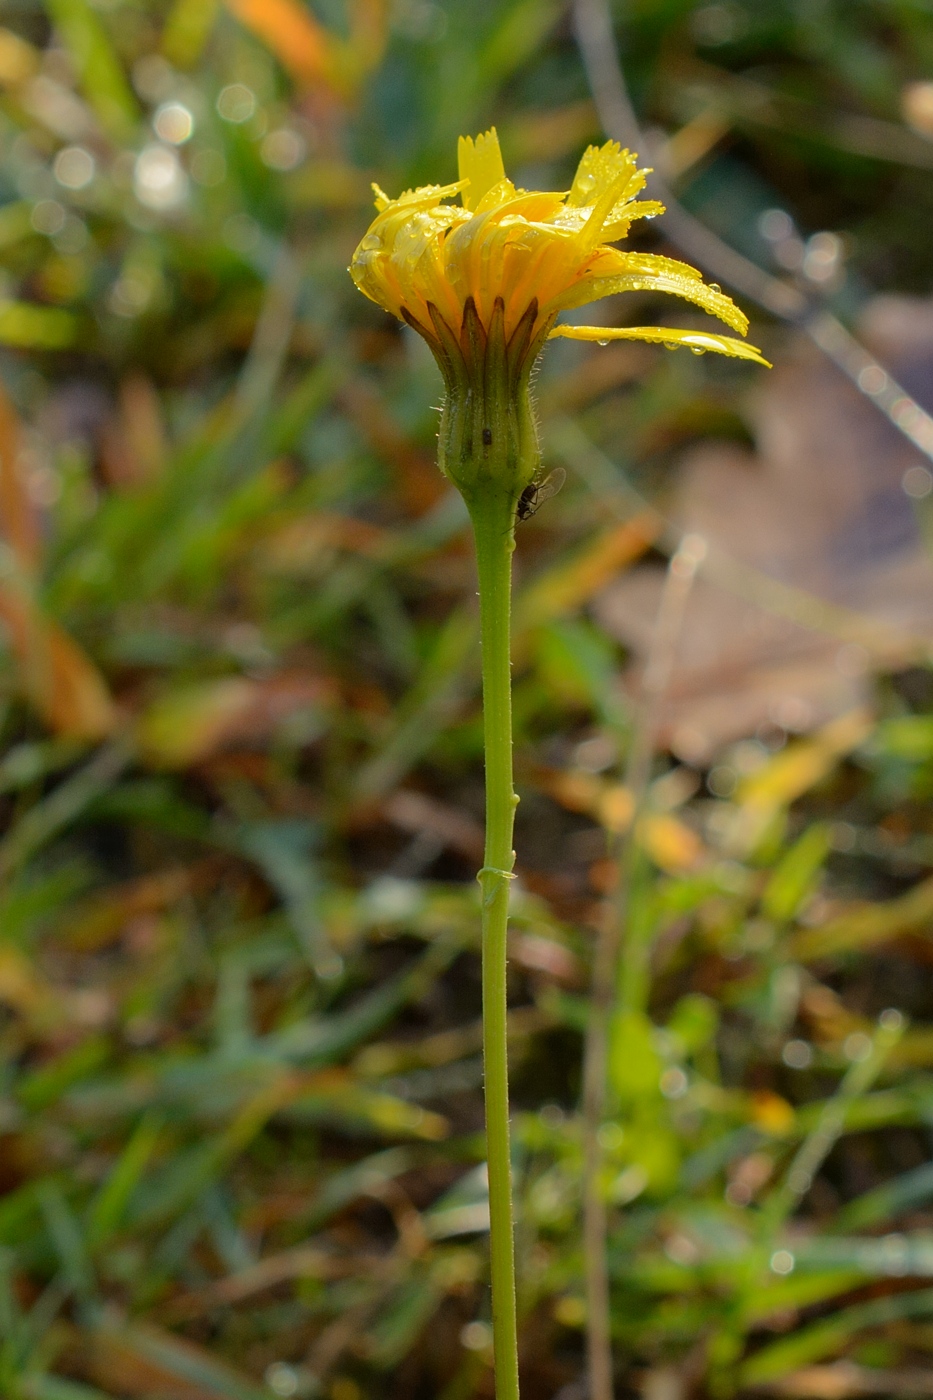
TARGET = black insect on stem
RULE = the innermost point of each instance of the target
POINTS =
(537, 492)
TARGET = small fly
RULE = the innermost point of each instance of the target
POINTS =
(537, 492)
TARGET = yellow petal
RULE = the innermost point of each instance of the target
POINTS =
(614, 272)
(699, 341)
(497, 198)
(422, 198)
(541, 252)
(656, 262)
(599, 169)
(623, 214)
(480, 163)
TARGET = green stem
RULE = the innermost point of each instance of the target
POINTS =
(493, 513)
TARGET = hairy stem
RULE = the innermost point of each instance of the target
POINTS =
(493, 513)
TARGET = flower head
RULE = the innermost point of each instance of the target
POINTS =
(519, 257)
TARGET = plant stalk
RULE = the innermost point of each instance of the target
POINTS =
(493, 514)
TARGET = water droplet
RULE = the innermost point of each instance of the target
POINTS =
(696, 350)
(670, 344)
(602, 342)
(715, 287)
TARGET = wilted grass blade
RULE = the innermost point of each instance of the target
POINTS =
(144, 1360)
(867, 926)
(823, 1338)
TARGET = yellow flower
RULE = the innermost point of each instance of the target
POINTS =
(453, 270)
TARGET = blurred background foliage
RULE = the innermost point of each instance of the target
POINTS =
(241, 783)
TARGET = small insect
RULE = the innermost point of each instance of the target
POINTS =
(537, 492)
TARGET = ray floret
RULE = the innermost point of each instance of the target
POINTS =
(438, 265)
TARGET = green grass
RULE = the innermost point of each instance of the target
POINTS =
(241, 782)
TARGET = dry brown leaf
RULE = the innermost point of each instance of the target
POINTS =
(133, 442)
(77, 702)
(143, 1361)
(60, 680)
(816, 567)
(838, 1380)
(19, 523)
(58, 677)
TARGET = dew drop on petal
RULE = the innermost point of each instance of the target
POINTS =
(670, 345)
(696, 350)
(715, 287)
(602, 342)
